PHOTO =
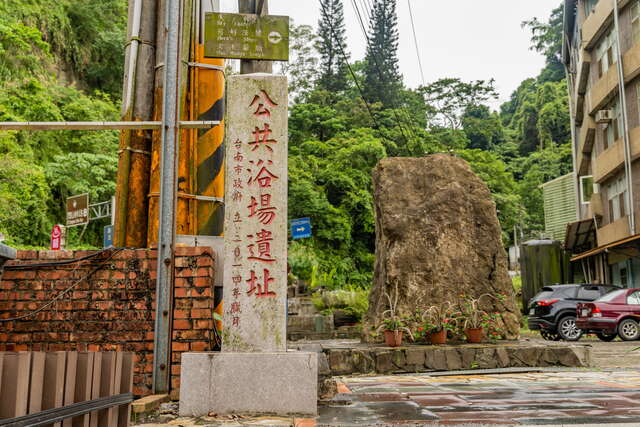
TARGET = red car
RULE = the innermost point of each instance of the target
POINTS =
(616, 313)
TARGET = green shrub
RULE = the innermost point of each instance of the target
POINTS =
(352, 300)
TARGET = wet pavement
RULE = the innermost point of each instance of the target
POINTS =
(568, 397)
(541, 398)
(608, 394)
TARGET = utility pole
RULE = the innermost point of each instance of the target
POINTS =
(625, 123)
(168, 194)
(257, 7)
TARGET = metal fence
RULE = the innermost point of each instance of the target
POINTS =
(66, 388)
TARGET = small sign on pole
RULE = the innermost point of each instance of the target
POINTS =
(78, 210)
(108, 237)
(301, 228)
(246, 36)
(57, 237)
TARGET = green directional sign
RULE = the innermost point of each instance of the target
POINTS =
(245, 36)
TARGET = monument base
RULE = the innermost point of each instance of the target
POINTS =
(249, 384)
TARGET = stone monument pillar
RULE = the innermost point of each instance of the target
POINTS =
(254, 373)
(255, 265)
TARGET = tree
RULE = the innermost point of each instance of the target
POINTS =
(482, 127)
(533, 171)
(449, 98)
(332, 45)
(302, 67)
(547, 39)
(539, 115)
(383, 81)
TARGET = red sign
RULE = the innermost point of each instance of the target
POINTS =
(56, 238)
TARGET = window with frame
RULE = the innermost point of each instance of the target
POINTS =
(613, 131)
(624, 276)
(589, 5)
(617, 195)
(606, 53)
(587, 189)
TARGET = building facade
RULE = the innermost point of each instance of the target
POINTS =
(601, 53)
(560, 206)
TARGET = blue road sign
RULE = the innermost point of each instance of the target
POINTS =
(108, 236)
(301, 228)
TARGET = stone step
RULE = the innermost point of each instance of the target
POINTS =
(316, 323)
(302, 306)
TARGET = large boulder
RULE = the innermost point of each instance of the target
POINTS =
(437, 237)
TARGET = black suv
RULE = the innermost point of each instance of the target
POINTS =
(553, 310)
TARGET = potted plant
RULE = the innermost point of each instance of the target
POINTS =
(439, 320)
(492, 326)
(393, 325)
(473, 319)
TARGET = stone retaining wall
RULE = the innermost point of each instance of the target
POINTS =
(414, 359)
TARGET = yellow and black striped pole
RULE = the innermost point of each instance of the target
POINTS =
(209, 183)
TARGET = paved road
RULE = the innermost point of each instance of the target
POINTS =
(577, 398)
(608, 393)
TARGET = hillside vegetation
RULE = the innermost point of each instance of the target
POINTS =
(59, 61)
(63, 60)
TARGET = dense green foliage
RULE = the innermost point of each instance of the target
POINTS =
(337, 138)
(44, 48)
(63, 61)
(382, 80)
(332, 47)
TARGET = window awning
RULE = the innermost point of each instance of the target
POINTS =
(614, 245)
(580, 236)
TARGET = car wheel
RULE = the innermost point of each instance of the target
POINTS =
(603, 336)
(628, 330)
(548, 335)
(567, 329)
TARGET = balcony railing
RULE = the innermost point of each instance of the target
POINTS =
(606, 88)
(598, 21)
(613, 232)
(609, 162)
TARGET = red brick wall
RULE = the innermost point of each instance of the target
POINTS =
(114, 310)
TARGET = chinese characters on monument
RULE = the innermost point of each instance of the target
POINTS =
(255, 279)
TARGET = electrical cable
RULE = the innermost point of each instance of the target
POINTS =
(67, 290)
(366, 10)
(357, 9)
(54, 263)
(353, 74)
(377, 65)
(415, 39)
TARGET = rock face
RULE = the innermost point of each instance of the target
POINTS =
(437, 236)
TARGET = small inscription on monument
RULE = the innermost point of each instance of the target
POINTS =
(255, 280)
(246, 36)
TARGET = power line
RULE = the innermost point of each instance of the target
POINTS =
(357, 10)
(67, 290)
(366, 10)
(377, 65)
(415, 39)
(346, 61)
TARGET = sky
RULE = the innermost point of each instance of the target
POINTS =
(468, 39)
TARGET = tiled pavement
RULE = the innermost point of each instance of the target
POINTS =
(581, 397)
(578, 398)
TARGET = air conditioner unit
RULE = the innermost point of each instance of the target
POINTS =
(604, 116)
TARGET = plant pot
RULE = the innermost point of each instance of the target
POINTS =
(393, 338)
(439, 337)
(474, 335)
